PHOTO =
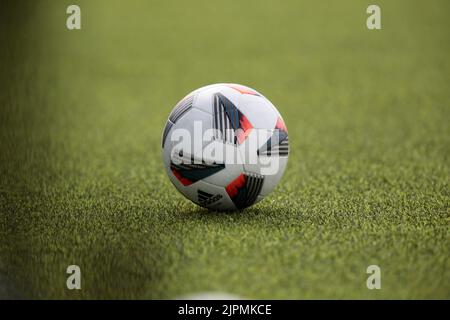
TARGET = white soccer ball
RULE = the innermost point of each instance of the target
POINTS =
(225, 146)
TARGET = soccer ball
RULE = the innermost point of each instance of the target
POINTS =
(225, 146)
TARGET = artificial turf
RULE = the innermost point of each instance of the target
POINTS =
(82, 180)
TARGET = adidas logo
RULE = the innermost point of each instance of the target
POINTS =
(205, 198)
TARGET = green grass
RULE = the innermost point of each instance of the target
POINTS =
(82, 180)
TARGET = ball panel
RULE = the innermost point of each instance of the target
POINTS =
(204, 96)
(186, 124)
(232, 160)
(258, 111)
(203, 99)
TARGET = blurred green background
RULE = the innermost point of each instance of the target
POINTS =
(82, 180)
